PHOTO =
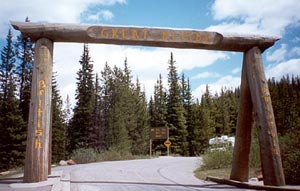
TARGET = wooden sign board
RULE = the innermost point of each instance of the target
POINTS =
(153, 35)
(158, 133)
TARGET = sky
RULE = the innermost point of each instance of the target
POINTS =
(216, 69)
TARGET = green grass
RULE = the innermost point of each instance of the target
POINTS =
(13, 172)
(222, 173)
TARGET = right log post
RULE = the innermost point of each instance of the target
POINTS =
(264, 118)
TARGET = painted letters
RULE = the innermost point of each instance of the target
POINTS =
(39, 130)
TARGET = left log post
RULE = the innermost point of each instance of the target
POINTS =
(37, 148)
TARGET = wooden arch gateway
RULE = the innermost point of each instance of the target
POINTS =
(255, 102)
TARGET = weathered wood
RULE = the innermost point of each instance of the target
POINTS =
(37, 148)
(143, 36)
(264, 117)
(240, 164)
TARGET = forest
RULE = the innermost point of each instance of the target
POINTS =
(111, 111)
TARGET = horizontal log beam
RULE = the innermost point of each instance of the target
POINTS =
(142, 36)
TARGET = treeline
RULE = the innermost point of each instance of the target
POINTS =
(111, 110)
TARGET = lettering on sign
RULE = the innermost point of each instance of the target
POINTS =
(39, 130)
(157, 35)
(158, 133)
(270, 119)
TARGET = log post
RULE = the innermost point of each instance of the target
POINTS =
(264, 117)
(37, 148)
(240, 165)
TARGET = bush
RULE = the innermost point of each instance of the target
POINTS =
(84, 155)
(217, 158)
(114, 154)
(255, 151)
(290, 144)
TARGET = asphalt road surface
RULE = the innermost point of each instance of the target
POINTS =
(158, 174)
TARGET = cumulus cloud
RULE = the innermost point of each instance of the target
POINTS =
(290, 67)
(62, 11)
(206, 75)
(227, 82)
(257, 16)
(295, 51)
(278, 55)
(236, 70)
(101, 15)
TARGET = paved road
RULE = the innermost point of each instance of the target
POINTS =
(159, 174)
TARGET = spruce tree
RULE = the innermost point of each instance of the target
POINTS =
(24, 49)
(176, 119)
(159, 116)
(13, 136)
(200, 132)
(82, 121)
(58, 125)
(118, 112)
(141, 135)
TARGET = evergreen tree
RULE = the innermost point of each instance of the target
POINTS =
(13, 136)
(105, 105)
(118, 112)
(141, 134)
(24, 49)
(96, 135)
(176, 118)
(187, 104)
(58, 125)
(159, 116)
(82, 121)
(200, 132)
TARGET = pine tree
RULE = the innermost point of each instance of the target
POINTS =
(118, 112)
(82, 122)
(187, 104)
(96, 136)
(141, 134)
(159, 116)
(200, 132)
(24, 49)
(13, 136)
(58, 125)
(176, 119)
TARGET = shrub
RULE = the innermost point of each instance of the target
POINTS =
(84, 155)
(290, 144)
(255, 151)
(114, 154)
(217, 158)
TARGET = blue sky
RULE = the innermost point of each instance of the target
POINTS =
(215, 68)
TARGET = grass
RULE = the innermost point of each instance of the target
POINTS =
(222, 173)
(18, 170)
(217, 163)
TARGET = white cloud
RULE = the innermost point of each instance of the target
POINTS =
(291, 67)
(296, 39)
(257, 16)
(62, 11)
(206, 75)
(236, 70)
(295, 51)
(278, 55)
(101, 15)
(226, 81)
